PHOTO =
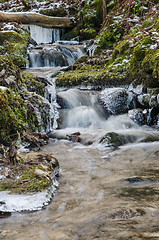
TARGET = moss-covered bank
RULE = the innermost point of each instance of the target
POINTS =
(33, 172)
(126, 49)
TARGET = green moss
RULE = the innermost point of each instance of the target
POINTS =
(15, 44)
(150, 65)
(13, 115)
(88, 33)
(120, 49)
(27, 182)
(56, 12)
(106, 40)
(139, 8)
(112, 139)
(18, 115)
(26, 177)
(96, 77)
(33, 84)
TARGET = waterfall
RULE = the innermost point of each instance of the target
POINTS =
(44, 35)
(51, 52)
(54, 55)
(50, 95)
(83, 111)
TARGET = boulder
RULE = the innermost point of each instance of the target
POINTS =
(137, 116)
(115, 100)
(144, 99)
(112, 139)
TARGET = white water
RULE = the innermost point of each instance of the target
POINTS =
(82, 112)
(54, 55)
(50, 95)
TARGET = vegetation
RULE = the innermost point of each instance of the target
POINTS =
(33, 176)
(126, 47)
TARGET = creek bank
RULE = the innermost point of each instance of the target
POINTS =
(126, 50)
(26, 107)
(30, 182)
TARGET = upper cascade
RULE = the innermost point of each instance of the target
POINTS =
(42, 35)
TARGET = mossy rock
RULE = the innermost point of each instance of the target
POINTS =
(54, 12)
(87, 33)
(13, 115)
(18, 113)
(94, 76)
(33, 84)
(150, 65)
(34, 173)
(120, 49)
(112, 139)
(15, 45)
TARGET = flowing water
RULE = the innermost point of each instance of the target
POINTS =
(104, 193)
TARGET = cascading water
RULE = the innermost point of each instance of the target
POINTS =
(54, 55)
(42, 35)
(97, 113)
(50, 53)
(52, 50)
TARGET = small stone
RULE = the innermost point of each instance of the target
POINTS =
(2, 73)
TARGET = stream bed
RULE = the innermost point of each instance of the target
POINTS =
(102, 195)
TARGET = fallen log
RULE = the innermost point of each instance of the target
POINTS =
(37, 19)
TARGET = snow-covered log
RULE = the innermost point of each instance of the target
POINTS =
(36, 19)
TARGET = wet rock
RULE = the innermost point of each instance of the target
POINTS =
(158, 98)
(112, 139)
(74, 137)
(62, 102)
(4, 214)
(141, 193)
(55, 58)
(115, 100)
(134, 179)
(137, 116)
(140, 179)
(153, 101)
(144, 99)
(138, 90)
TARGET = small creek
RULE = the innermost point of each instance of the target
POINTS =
(99, 196)
(104, 193)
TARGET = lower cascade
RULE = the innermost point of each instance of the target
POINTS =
(94, 113)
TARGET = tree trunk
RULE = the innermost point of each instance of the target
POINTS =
(37, 19)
